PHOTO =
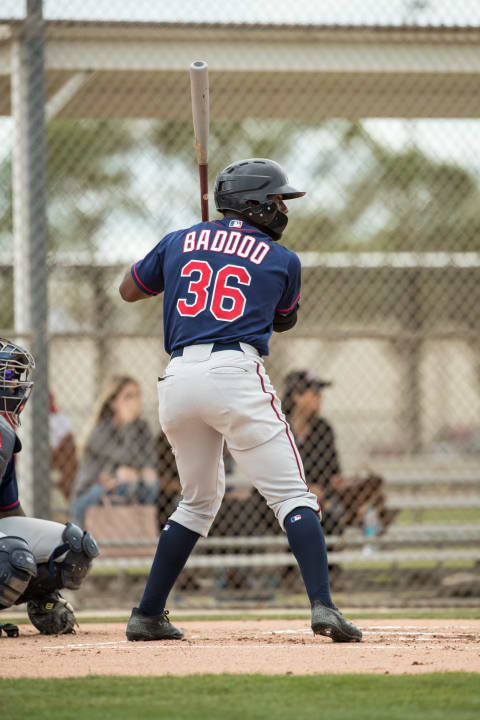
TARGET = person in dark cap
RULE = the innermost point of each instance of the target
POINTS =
(344, 501)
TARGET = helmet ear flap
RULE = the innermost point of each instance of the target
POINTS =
(245, 188)
(278, 224)
(268, 217)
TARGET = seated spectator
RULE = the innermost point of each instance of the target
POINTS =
(63, 449)
(344, 501)
(119, 459)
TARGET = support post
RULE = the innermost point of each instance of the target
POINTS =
(30, 249)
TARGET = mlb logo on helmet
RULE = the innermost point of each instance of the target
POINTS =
(235, 223)
(295, 518)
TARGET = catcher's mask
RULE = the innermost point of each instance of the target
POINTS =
(16, 365)
(246, 188)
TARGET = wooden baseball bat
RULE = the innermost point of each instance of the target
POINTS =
(201, 120)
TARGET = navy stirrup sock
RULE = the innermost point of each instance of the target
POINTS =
(174, 547)
(307, 542)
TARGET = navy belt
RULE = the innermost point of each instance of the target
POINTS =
(217, 347)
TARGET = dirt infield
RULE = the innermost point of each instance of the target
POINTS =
(252, 646)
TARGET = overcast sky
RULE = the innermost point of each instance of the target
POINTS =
(445, 139)
(382, 12)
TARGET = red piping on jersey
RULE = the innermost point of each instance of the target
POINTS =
(291, 306)
(10, 507)
(134, 270)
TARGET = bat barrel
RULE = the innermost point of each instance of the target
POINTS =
(200, 107)
(201, 121)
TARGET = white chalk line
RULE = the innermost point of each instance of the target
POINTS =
(419, 628)
(415, 637)
(418, 635)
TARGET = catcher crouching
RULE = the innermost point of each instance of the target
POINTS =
(38, 558)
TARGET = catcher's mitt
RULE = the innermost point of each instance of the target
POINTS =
(52, 615)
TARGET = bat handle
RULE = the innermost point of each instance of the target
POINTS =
(203, 172)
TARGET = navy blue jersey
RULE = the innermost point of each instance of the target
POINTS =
(223, 282)
(9, 444)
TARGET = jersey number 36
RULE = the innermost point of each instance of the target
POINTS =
(227, 303)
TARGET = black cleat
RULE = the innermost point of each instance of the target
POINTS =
(156, 627)
(330, 622)
(9, 629)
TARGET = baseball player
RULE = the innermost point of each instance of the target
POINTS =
(37, 557)
(227, 284)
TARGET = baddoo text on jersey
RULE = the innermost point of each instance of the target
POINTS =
(223, 282)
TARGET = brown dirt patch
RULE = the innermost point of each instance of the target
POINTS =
(251, 646)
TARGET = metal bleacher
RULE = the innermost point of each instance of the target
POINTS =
(402, 542)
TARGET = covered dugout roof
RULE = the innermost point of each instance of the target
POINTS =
(109, 69)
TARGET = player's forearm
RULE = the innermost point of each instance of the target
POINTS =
(129, 290)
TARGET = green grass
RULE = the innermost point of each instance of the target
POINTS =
(438, 516)
(364, 614)
(409, 565)
(245, 697)
(114, 571)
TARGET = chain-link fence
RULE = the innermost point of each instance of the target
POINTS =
(373, 109)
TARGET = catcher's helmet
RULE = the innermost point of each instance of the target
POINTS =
(16, 365)
(246, 187)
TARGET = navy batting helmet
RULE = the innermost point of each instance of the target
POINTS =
(246, 188)
(16, 365)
